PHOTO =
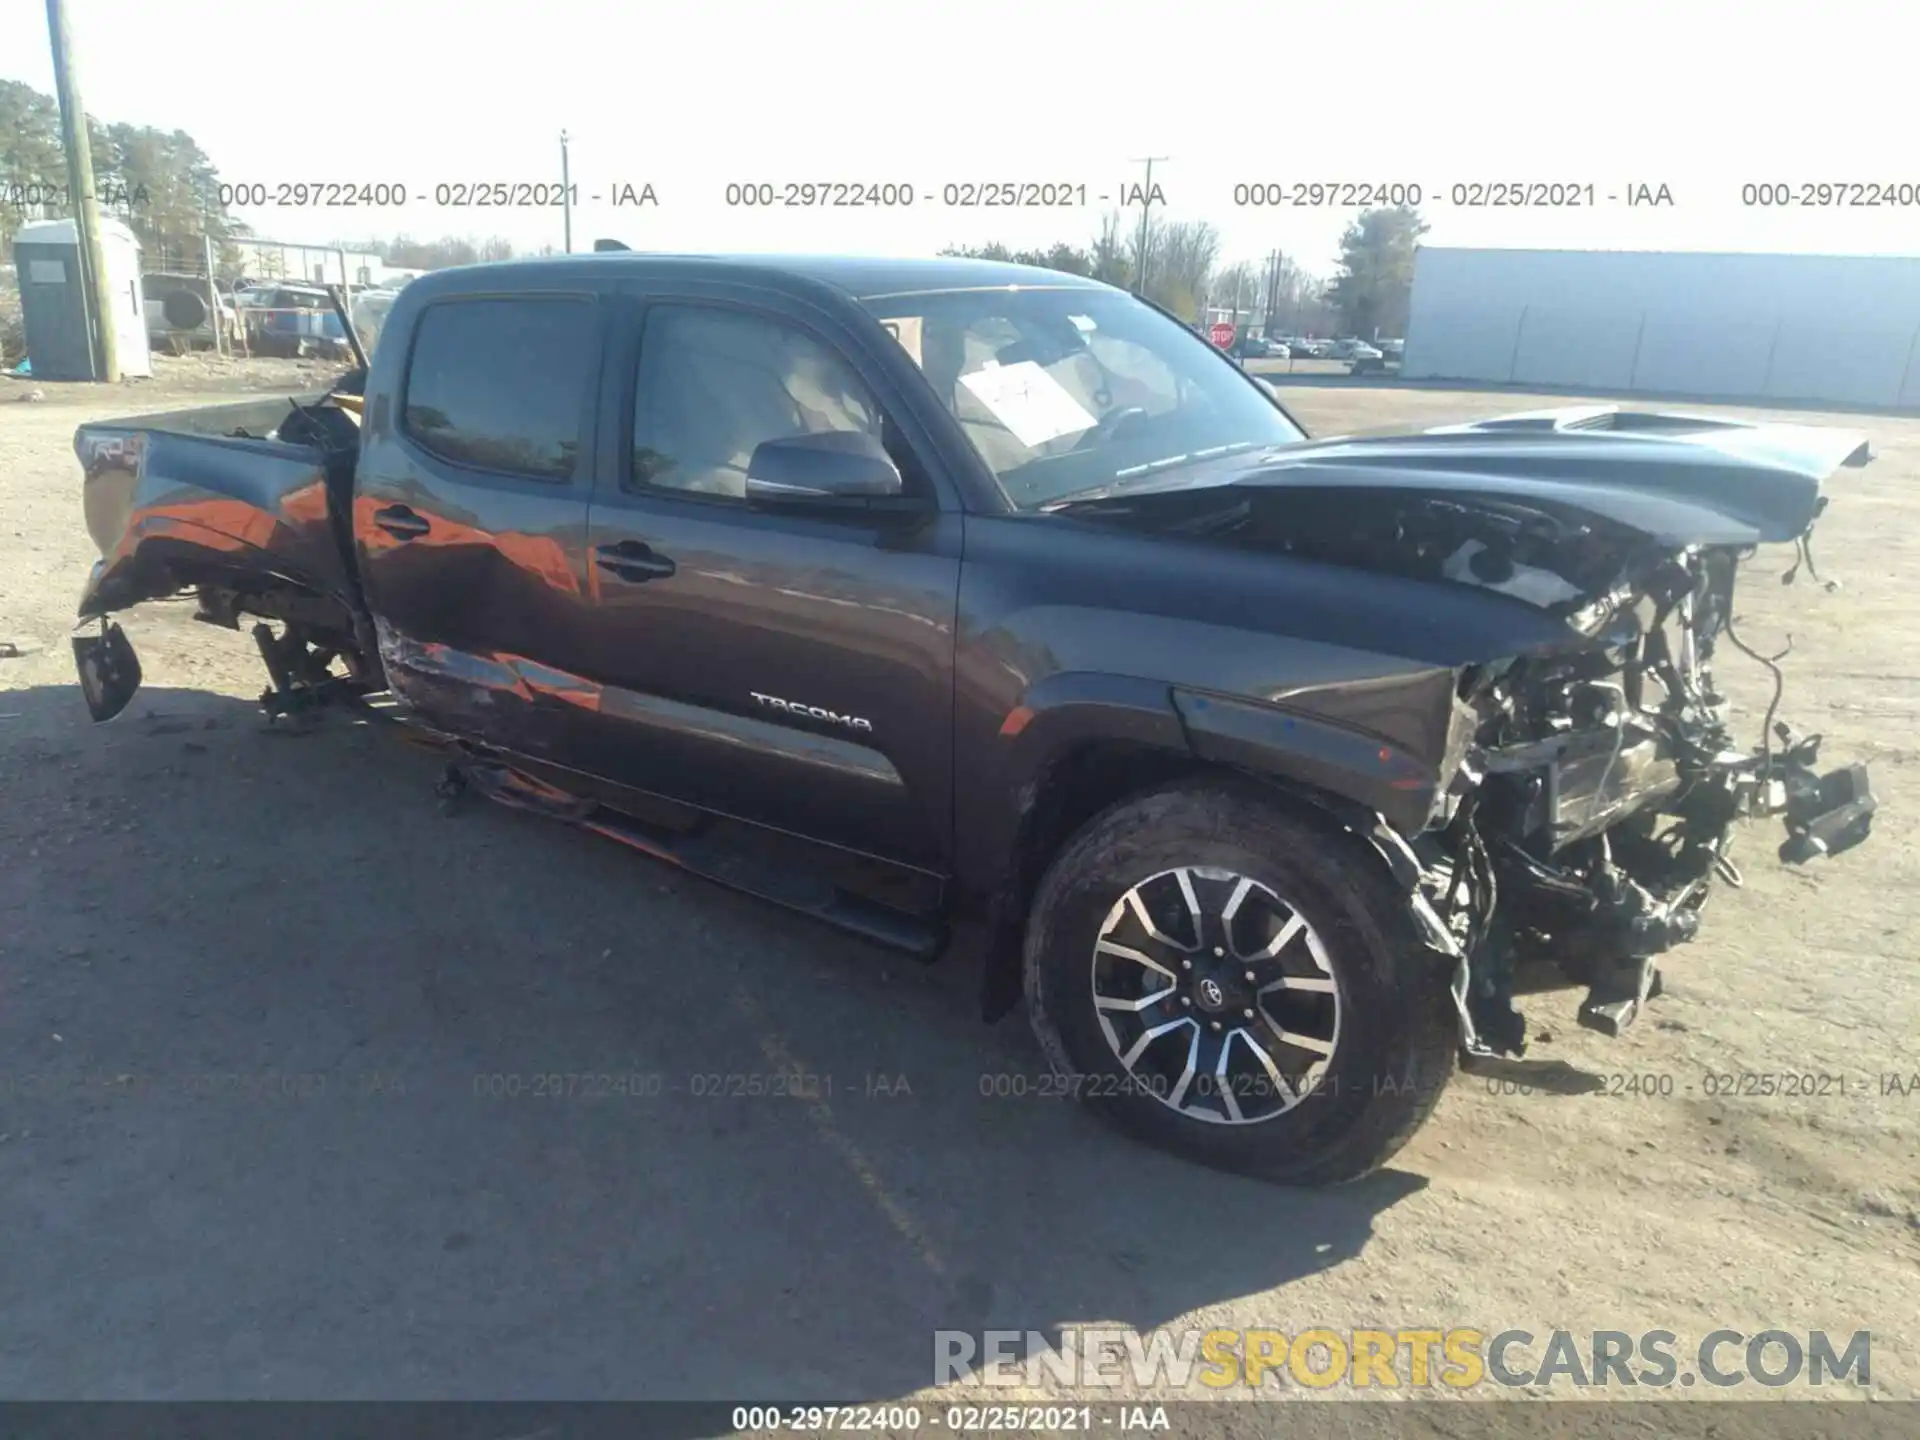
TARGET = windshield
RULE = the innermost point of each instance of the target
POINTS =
(1070, 391)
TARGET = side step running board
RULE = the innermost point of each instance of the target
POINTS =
(711, 858)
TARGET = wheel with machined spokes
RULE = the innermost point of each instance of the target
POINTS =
(1230, 979)
(1216, 995)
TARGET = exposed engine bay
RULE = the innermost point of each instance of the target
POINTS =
(1596, 806)
(1590, 788)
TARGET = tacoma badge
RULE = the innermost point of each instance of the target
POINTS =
(852, 722)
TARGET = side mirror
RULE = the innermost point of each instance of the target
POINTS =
(841, 467)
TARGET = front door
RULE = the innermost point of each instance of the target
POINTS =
(785, 668)
(470, 511)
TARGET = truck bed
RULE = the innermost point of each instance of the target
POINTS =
(178, 499)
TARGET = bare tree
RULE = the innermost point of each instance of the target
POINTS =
(1057, 256)
(414, 254)
(1179, 258)
(1237, 287)
(1110, 263)
(1293, 301)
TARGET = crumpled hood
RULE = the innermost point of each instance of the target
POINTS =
(1678, 479)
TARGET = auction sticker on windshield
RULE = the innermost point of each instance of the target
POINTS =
(1029, 402)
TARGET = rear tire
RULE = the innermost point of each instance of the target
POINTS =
(1317, 1069)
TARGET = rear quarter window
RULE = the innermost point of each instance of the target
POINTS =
(501, 385)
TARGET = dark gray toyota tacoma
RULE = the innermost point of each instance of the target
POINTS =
(1270, 769)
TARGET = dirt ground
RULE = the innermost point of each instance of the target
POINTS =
(257, 991)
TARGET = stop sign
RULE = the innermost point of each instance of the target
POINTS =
(1221, 335)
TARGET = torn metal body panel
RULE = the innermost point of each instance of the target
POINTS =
(243, 506)
(168, 510)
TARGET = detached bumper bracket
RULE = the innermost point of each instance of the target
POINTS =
(1830, 817)
(109, 670)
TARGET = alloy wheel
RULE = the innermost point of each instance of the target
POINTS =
(1216, 995)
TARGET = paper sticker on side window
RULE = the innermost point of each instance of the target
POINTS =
(1029, 402)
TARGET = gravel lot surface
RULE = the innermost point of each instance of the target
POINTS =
(256, 991)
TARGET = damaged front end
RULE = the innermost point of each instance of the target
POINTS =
(1598, 803)
(1589, 792)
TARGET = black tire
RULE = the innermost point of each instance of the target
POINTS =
(1397, 1036)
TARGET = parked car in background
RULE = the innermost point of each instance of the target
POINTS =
(283, 318)
(1353, 348)
(177, 312)
(1256, 347)
(1304, 348)
(369, 310)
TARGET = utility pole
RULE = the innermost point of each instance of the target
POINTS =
(1146, 204)
(566, 196)
(215, 317)
(105, 347)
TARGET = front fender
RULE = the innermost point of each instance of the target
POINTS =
(1382, 773)
(1387, 745)
(1373, 788)
(1055, 717)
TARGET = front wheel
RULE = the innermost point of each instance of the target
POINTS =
(1228, 980)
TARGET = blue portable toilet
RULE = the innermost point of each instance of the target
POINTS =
(53, 303)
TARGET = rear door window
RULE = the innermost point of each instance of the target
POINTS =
(502, 385)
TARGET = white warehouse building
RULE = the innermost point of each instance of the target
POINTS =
(1841, 329)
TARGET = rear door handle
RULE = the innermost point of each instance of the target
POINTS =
(633, 560)
(400, 522)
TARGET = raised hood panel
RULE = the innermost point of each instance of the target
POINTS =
(1675, 479)
(1678, 479)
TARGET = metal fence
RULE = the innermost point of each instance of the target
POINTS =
(1648, 351)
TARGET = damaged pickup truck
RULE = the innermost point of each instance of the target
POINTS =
(1269, 770)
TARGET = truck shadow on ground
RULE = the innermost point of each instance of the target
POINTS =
(323, 1092)
(1535, 1077)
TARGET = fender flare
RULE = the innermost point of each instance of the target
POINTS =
(1292, 756)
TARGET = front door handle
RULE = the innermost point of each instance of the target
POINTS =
(401, 522)
(633, 560)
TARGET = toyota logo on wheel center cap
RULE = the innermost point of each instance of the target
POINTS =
(1212, 997)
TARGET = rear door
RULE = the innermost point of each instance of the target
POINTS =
(788, 668)
(470, 513)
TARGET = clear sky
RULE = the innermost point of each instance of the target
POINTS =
(1696, 95)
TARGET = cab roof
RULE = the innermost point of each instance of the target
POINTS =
(861, 277)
